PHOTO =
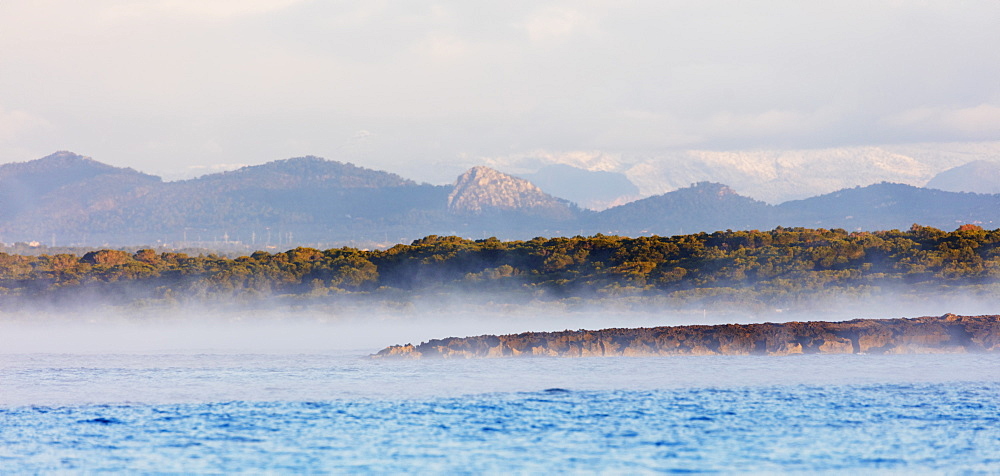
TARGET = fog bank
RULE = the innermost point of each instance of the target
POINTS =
(367, 329)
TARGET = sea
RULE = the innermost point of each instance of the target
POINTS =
(336, 412)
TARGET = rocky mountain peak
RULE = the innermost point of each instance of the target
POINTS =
(482, 190)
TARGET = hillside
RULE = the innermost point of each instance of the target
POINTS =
(980, 176)
(62, 184)
(301, 172)
(701, 207)
(886, 206)
(79, 200)
(306, 196)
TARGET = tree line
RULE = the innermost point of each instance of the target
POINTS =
(755, 268)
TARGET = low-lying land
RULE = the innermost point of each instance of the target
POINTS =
(944, 334)
(760, 271)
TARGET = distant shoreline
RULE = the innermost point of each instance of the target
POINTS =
(943, 334)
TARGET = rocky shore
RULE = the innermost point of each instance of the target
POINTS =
(944, 334)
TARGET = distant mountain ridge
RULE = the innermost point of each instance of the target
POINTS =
(702, 206)
(60, 168)
(63, 183)
(73, 199)
(304, 171)
(894, 204)
(773, 176)
(979, 176)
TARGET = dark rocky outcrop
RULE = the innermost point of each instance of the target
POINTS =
(944, 334)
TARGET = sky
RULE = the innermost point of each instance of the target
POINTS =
(180, 88)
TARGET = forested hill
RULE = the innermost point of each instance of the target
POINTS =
(278, 203)
(301, 172)
(784, 267)
(75, 200)
(703, 206)
(56, 186)
(871, 207)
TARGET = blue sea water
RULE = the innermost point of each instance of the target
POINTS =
(225, 413)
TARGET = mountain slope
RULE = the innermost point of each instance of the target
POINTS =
(305, 189)
(300, 172)
(886, 206)
(703, 206)
(979, 176)
(63, 183)
(307, 199)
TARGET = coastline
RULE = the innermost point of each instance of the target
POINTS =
(932, 334)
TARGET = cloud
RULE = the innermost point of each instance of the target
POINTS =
(15, 123)
(557, 24)
(983, 119)
(530, 162)
(442, 47)
(976, 122)
(769, 123)
(644, 129)
(206, 9)
(434, 80)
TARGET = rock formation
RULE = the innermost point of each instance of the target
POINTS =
(944, 334)
(482, 191)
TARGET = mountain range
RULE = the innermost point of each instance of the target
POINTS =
(774, 176)
(68, 199)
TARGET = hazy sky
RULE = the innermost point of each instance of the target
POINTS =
(165, 85)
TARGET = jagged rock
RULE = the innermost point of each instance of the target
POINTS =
(943, 334)
(401, 351)
(482, 191)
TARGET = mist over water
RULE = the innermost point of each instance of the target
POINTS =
(303, 328)
(271, 353)
(279, 327)
(292, 389)
(294, 331)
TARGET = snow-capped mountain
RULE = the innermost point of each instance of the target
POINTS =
(773, 176)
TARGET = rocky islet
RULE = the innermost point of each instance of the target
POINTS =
(942, 334)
